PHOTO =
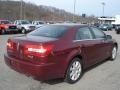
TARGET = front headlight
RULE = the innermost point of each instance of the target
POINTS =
(27, 27)
(6, 27)
(104, 27)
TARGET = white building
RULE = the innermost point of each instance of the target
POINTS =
(106, 19)
(117, 20)
(111, 20)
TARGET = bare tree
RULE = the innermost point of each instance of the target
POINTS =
(11, 10)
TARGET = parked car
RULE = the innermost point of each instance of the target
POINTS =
(59, 51)
(6, 26)
(96, 24)
(38, 23)
(106, 27)
(24, 26)
(50, 22)
(117, 29)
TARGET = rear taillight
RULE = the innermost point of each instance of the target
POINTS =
(9, 44)
(38, 50)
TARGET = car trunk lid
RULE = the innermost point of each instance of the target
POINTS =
(35, 45)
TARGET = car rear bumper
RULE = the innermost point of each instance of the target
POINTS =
(41, 72)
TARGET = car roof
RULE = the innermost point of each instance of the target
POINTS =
(71, 25)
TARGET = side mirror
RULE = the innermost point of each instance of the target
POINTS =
(109, 37)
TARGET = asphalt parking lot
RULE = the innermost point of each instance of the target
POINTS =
(105, 76)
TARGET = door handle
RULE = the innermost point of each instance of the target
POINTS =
(103, 41)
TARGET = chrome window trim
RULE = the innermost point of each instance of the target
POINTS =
(89, 39)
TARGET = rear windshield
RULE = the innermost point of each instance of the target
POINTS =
(52, 31)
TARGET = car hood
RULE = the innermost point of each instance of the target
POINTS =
(27, 25)
(9, 25)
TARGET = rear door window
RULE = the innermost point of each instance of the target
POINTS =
(83, 34)
(98, 33)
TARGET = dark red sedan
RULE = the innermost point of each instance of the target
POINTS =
(59, 51)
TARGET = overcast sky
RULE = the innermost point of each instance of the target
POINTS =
(90, 7)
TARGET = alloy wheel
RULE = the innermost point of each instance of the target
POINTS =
(114, 53)
(75, 70)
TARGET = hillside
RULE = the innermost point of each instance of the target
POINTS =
(11, 10)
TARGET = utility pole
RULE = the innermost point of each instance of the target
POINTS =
(103, 8)
(21, 9)
(24, 12)
(74, 7)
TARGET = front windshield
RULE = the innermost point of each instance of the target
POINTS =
(105, 25)
(25, 22)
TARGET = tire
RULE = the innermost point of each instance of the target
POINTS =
(2, 31)
(113, 53)
(110, 29)
(74, 71)
(19, 31)
(117, 32)
(23, 31)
